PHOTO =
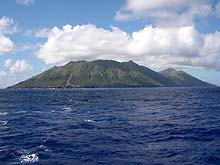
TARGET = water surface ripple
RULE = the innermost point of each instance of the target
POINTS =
(110, 126)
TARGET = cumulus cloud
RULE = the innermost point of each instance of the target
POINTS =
(14, 72)
(7, 26)
(20, 66)
(25, 2)
(165, 12)
(155, 47)
(82, 42)
(8, 63)
(6, 45)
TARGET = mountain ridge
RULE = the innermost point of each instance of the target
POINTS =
(180, 77)
(108, 74)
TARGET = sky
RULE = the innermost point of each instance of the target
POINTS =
(38, 34)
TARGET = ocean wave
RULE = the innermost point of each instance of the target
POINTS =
(38, 111)
(153, 126)
(3, 123)
(89, 121)
(67, 109)
(19, 112)
(44, 148)
(3, 113)
(29, 158)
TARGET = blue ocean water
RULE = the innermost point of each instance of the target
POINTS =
(152, 126)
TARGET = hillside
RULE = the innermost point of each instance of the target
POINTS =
(181, 78)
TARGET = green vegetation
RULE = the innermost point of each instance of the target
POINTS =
(108, 73)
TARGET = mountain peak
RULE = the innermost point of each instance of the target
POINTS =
(130, 61)
(169, 70)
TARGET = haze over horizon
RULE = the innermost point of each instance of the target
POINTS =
(37, 34)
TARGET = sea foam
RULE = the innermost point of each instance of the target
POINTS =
(29, 158)
(2, 123)
(3, 113)
(89, 121)
(67, 109)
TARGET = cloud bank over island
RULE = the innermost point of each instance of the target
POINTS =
(172, 40)
(153, 46)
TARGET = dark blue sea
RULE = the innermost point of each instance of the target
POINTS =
(152, 126)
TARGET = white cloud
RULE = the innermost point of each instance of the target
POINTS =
(8, 63)
(152, 46)
(6, 45)
(217, 9)
(29, 47)
(14, 72)
(2, 73)
(165, 12)
(7, 26)
(28, 32)
(20, 66)
(25, 2)
(7, 78)
(83, 42)
(42, 33)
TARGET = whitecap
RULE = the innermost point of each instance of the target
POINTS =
(29, 158)
(89, 121)
(22, 112)
(44, 148)
(3, 113)
(67, 109)
(2, 123)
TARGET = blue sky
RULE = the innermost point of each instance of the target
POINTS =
(37, 34)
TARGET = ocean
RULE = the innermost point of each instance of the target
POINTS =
(152, 126)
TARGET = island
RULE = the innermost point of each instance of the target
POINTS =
(109, 74)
